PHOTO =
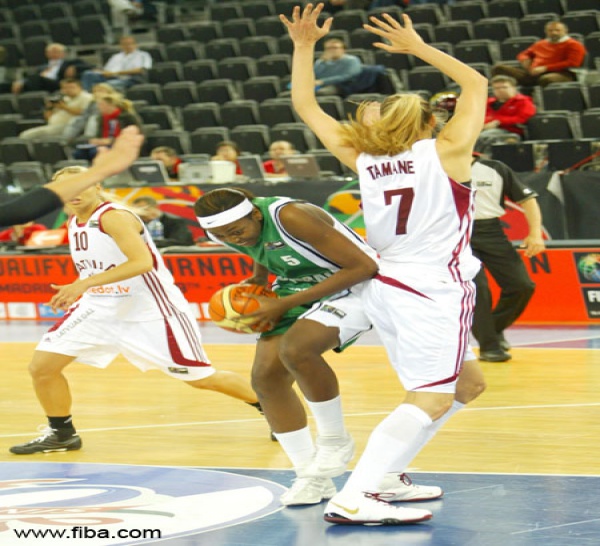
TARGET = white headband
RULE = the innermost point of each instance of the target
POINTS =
(227, 216)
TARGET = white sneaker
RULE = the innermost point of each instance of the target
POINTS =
(370, 509)
(332, 457)
(308, 491)
(400, 488)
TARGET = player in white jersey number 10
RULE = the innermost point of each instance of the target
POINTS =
(124, 302)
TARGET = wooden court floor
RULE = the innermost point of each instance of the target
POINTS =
(540, 414)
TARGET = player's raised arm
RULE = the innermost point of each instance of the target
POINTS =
(456, 140)
(305, 32)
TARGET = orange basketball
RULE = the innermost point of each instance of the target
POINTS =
(228, 306)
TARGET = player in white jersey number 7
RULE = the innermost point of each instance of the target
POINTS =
(418, 215)
(125, 301)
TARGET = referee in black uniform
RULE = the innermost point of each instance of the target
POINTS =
(494, 181)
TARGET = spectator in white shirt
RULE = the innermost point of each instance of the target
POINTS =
(123, 69)
(60, 110)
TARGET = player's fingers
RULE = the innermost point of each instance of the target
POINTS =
(391, 21)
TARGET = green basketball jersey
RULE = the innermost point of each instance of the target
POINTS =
(296, 264)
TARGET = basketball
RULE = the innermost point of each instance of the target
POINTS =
(228, 306)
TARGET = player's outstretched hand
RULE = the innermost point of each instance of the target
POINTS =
(124, 151)
(403, 38)
(303, 28)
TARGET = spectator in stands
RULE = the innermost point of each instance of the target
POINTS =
(60, 110)
(48, 76)
(227, 150)
(115, 113)
(86, 125)
(170, 159)
(335, 70)
(20, 233)
(124, 10)
(166, 229)
(123, 69)
(335, 67)
(278, 149)
(507, 112)
(547, 61)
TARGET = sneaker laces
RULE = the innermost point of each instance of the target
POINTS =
(46, 431)
(405, 479)
(378, 497)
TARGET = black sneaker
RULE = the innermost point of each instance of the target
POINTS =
(504, 345)
(494, 356)
(47, 443)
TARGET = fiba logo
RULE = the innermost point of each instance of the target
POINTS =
(114, 504)
(588, 266)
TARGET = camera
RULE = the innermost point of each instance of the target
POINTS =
(55, 99)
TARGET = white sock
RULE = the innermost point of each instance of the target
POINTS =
(329, 417)
(431, 431)
(298, 446)
(391, 445)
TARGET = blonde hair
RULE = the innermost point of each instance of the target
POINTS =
(116, 99)
(402, 120)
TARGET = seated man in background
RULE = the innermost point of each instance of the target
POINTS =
(123, 69)
(166, 229)
(47, 77)
(60, 110)
(168, 156)
(507, 111)
(335, 70)
(277, 150)
(228, 150)
(548, 60)
(335, 67)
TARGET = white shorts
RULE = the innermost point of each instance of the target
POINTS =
(172, 345)
(344, 311)
(424, 330)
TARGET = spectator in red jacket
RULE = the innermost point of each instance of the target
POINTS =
(274, 166)
(20, 233)
(507, 112)
(547, 61)
(169, 157)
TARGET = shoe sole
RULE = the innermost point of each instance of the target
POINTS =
(52, 450)
(341, 520)
(416, 499)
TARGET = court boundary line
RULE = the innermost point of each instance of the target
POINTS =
(346, 415)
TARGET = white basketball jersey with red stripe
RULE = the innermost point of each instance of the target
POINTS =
(149, 296)
(416, 217)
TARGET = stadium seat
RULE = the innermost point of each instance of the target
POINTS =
(544, 6)
(258, 46)
(204, 114)
(218, 90)
(277, 110)
(251, 138)
(473, 10)
(239, 112)
(205, 140)
(506, 8)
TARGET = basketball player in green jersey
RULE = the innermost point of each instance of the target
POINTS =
(320, 267)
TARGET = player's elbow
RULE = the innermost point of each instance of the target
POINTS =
(368, 269)
(145, 265)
